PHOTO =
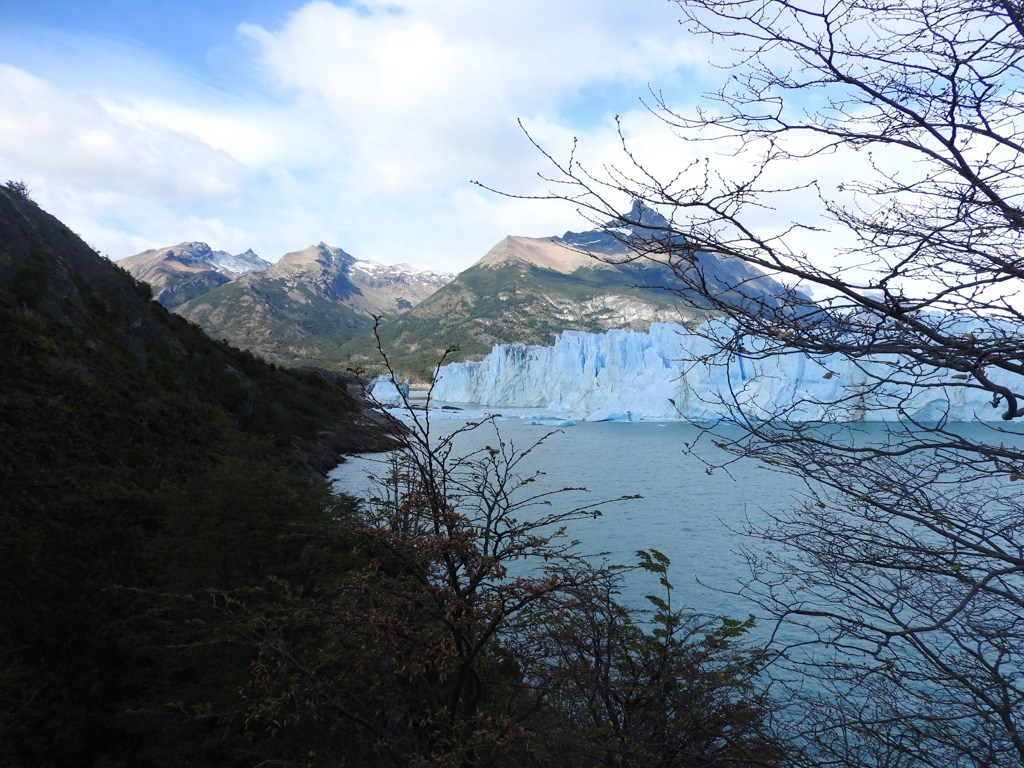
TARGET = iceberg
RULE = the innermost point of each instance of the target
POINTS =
(672, 373)
(386, 390)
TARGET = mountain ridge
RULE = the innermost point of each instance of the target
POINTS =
(181, 272)
(531, 290)
(322, 306)
(295, 311)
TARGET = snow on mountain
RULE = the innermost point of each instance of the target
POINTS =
(401, 271)
(660, 375)
(237, 264)
(192, 257)
(181, 272)
(391, 288)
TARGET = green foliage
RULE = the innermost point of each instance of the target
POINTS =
(138, 459)
(671, 689)
(432, 613)
(476, 635)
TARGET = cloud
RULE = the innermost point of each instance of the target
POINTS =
(426, 94)
(364, 125)
(361, 125)
(76, 139)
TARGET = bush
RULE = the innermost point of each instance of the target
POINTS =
(19, 188)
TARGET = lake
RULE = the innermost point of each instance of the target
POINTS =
(690, 515)
(697, 520)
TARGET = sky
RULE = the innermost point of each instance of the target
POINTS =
(277, 124)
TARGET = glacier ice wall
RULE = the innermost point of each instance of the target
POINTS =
(660, 375)
(386, 390)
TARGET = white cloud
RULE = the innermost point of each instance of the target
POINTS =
(73, 138)
(427, 94)
(361, 126)
(364, 125)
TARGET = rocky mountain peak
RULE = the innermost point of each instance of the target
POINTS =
(190, 253)
(180, 272)
(192, 256)
(615, 236)
(317, 260)
(331, 254)
(643, 217)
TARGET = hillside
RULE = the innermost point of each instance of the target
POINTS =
(138, 458)
(296, 311)
(299, 310)
(527, 290)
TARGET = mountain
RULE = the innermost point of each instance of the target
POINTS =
(296, 311)
(391, 289)
(316, 306)
(141, 462)
(614, 238)
(182, 272)
(530, 290)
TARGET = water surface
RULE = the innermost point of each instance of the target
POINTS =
(693, 517)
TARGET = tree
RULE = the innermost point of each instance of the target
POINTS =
(671, 689)
(423, 650)
(466, 639)
(904, 568)
(19, 188)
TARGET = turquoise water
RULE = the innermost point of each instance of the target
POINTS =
(693, 517)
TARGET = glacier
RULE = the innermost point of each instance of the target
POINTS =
(387, 391)
(668, 373)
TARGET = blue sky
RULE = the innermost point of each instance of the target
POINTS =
(274, 124)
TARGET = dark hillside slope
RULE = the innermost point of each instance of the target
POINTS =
(137, 457)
